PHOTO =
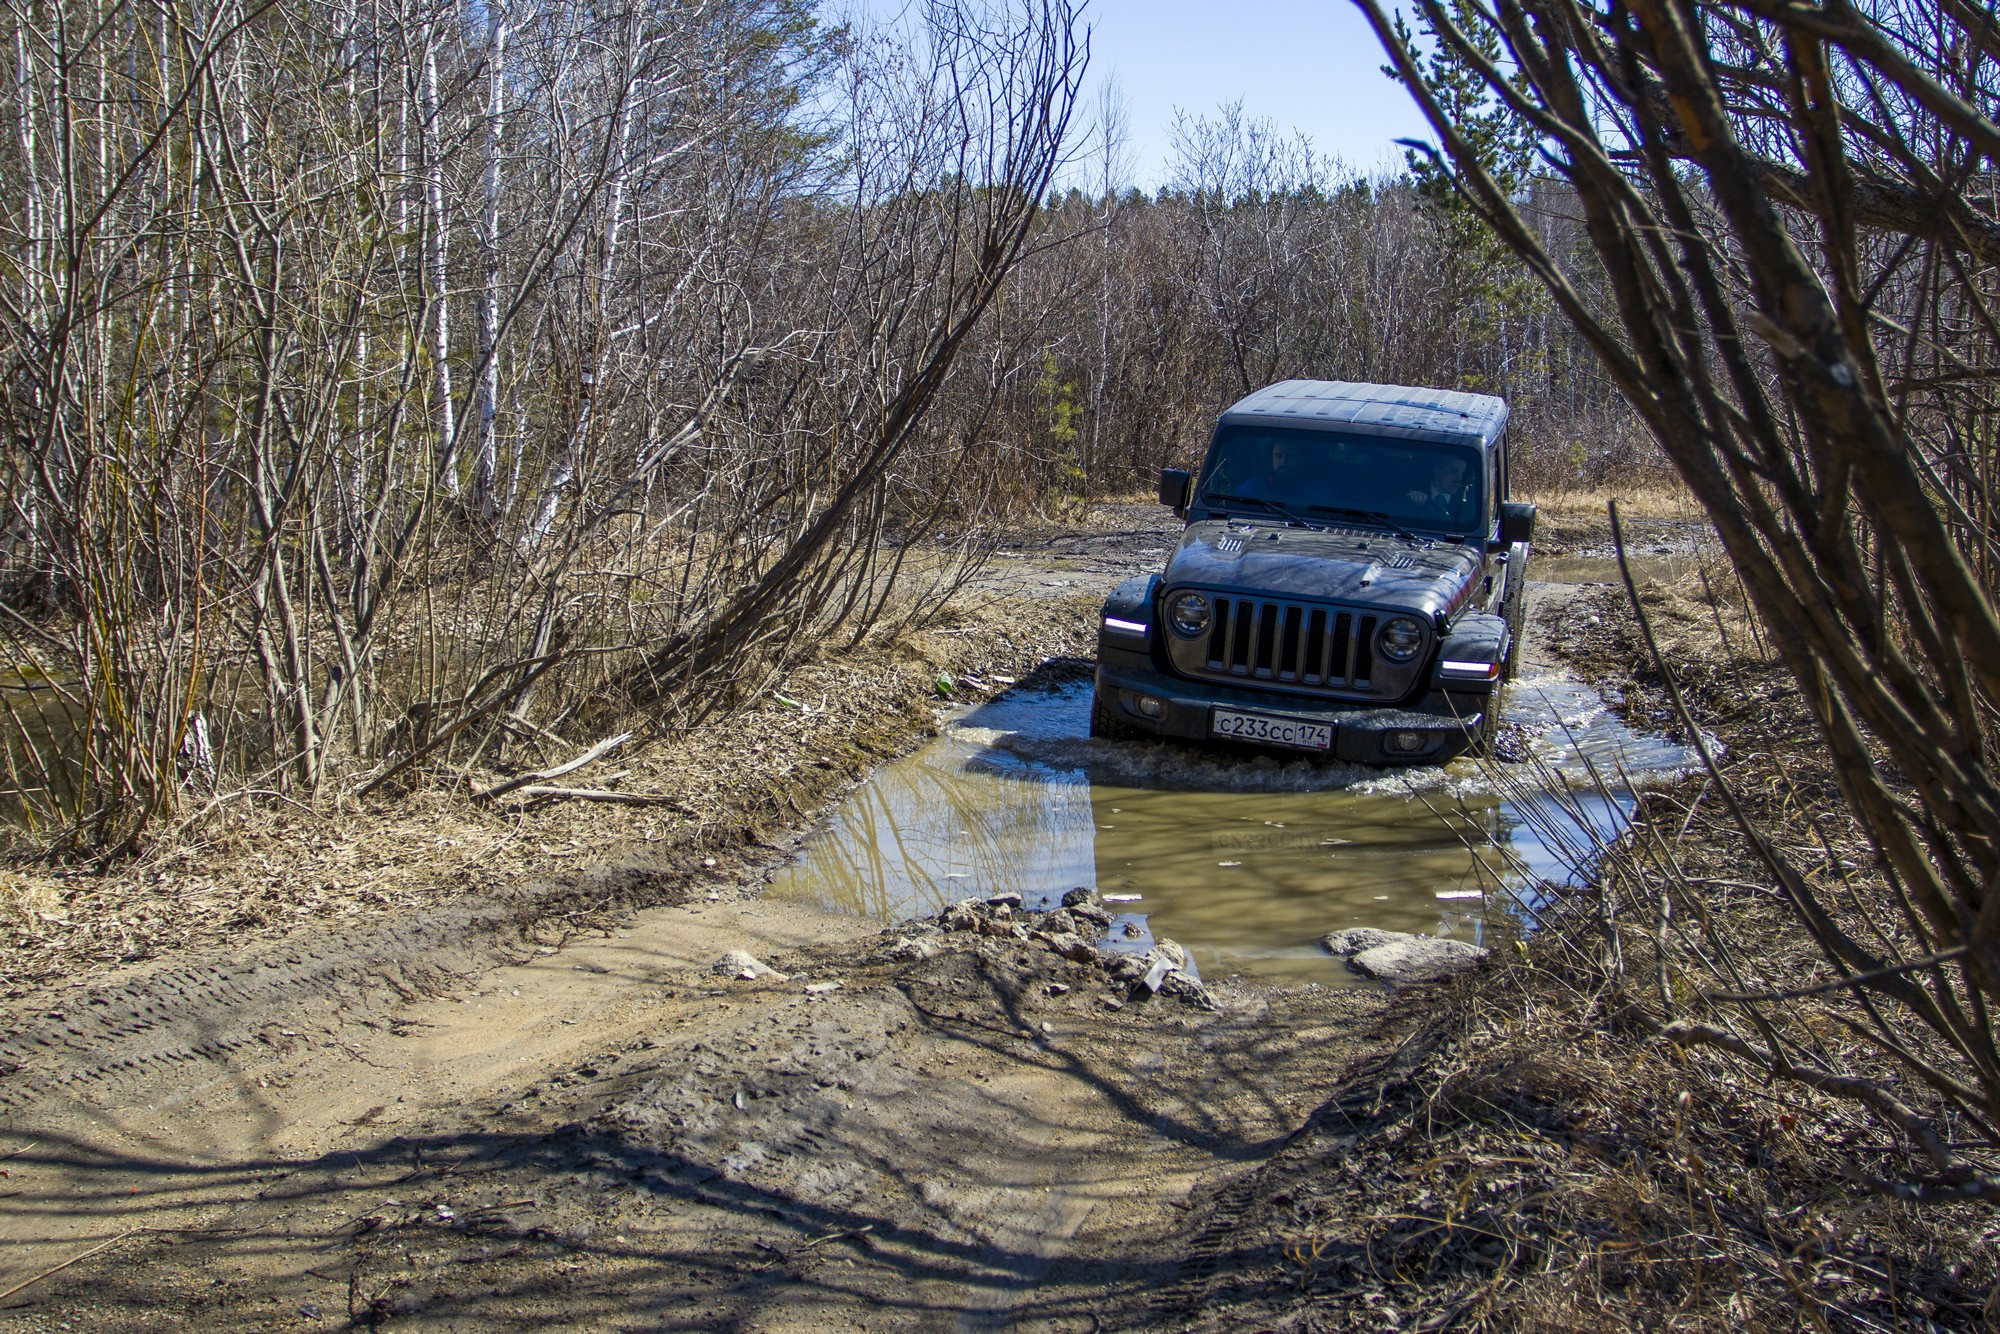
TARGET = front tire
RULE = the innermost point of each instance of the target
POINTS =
(1105, 723)
(1489, 724)
(1515, 611)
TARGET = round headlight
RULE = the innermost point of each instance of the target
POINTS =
(1188, 614)
(1401, 638)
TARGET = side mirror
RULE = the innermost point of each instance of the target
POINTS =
(1517, 523)
(1175, 483)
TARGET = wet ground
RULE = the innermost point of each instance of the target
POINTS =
(1245, 860)
(604, 1133)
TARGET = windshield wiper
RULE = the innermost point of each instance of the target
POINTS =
(1376, 517)
(1271, 506)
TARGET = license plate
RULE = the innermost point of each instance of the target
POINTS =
(1269, 730)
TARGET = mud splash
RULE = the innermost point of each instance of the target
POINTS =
(1246, 861)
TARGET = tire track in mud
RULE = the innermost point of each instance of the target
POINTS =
(223, 1012)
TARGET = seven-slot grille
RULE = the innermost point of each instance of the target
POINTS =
(1291, 642)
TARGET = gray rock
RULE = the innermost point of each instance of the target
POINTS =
(1069, 945)
(1346, 944)
(745, 967)
(1057, 922)
(1186, 988)
(962, 916)
(1128, 967)
(1091, 915)
(1415, 959)
(916, 948)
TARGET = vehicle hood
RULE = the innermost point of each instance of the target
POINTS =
(1378, 569)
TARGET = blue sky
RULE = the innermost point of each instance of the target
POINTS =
(1307, 65)
(1310, 66)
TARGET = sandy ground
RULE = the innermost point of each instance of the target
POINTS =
(450, 1120)
(613, 1136)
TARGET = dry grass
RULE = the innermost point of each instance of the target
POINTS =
(1655, 496)
(264, 868)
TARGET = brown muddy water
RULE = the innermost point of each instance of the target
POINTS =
(1245, 860)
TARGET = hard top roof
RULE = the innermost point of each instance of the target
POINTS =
(1375, 409)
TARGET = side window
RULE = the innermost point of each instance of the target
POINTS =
(1494, 478)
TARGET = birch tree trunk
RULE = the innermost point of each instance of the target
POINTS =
(485, 457)
(439, 253)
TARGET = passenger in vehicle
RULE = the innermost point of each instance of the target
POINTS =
(1444, 497)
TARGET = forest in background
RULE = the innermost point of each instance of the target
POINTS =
(386, 382)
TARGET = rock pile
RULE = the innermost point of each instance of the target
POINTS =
(1076, 930)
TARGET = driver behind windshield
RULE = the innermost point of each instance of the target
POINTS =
(1280, 477)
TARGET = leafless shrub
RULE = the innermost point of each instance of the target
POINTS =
(383, 386)
(1789, 207)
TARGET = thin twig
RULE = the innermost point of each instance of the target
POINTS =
(863, 1230)
(1856, 980)
(57, 1269)
(538, 793)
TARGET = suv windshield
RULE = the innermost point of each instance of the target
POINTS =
(1315, 475)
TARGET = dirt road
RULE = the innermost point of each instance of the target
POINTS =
(614, 1136)
(432, 1124)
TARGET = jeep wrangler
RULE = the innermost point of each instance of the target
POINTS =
(1352, 581)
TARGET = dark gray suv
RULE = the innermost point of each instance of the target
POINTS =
(1351, 582)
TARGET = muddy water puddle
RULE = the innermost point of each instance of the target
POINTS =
(1245, 860)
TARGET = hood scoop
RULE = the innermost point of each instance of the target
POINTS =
(1374, 569)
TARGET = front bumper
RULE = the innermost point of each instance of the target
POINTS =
(1444, 723)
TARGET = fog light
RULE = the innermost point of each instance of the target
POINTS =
(1407, 743)
(1151, 707)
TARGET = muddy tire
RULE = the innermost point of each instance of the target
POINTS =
(1489, 725)
(1105, 722)
(1515, 610)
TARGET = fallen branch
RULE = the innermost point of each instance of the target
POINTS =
(535, 667)
(596, 752)
(853, 1232)
(80, 1255)
(1857, 980)
(538, 793)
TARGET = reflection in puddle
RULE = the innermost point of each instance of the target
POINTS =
(1245, 861)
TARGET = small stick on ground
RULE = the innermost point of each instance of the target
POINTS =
(81, 1255)
(863, 1230)
(538, 793)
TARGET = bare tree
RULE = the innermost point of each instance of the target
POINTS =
(242, 382)
(1789, 205)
